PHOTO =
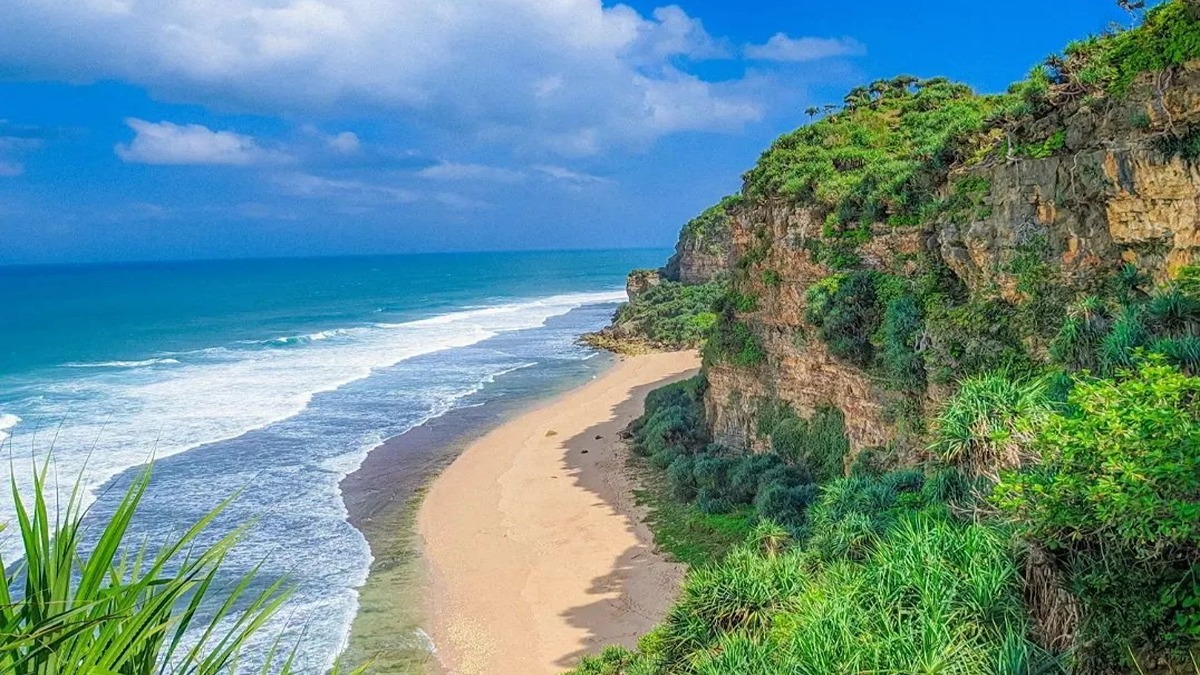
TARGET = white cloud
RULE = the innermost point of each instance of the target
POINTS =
(345, 143)
(567, 175)
(15, 141)
(571, 75)
(783, 48)
(457, 201)
(451, 171)
(347, 190)
(191, 144)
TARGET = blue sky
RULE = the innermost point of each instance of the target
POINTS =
(167, 129)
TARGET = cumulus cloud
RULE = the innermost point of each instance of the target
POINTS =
(191, 144)
(783, 48)
(574, 76)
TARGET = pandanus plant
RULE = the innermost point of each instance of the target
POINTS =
(74, 607)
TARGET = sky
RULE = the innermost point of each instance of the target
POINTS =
(177, 129)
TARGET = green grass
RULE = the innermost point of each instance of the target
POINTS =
(682, 530)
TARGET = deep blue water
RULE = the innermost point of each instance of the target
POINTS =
(276, 377)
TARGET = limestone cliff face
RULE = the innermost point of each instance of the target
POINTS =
(798, 369)
(1106, 196)
(705, 247)
(698, 262)
(1110, 196)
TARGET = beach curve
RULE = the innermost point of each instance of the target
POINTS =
(535, 553)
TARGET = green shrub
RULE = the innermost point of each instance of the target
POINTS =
(847, 312)
(1121, 462)
(879, 159)
(932, 596)
(669, 315)
(902, 326)
(1116, 492)
(972, 338)
(1077, 345)
(732, 341)
(987, 426)
(818, 444)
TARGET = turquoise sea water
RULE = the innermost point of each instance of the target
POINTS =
(276, 377)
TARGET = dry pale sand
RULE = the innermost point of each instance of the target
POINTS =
(534, 549)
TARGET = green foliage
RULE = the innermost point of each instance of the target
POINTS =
(1045, 148)
(670, 315)
(710, 229)
(836, 254)
(880, 157)
(1120, 463)
(771, 278)
(1185, 145)
(972, 338)
(927, 595)
(732, 341)
(1115, 492)
(846, 310)
(1107, 65)
(967, 199)
(1043, 295)
(110, 605)
(1077, 345)
(903, 324)
(985, 427)
(818, 445)
(1168, 36)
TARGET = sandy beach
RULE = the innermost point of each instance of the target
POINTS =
(533, 547)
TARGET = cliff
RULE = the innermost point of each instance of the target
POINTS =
(705, 248)
(958, 352)
(1058, 205)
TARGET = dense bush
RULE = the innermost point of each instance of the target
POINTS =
(986, 426)
(778, 485)
(732, 340)
(1120, 463)
(817, 445)
(669, 315)
(1116, 491)
(878, 158)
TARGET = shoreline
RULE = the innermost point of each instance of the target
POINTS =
(381, 498)
(534, 551)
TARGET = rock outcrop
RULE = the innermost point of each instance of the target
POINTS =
(704, 251)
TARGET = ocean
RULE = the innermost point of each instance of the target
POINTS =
(271, 380)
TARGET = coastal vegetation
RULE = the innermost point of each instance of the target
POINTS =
(666, 315)
(1037, 507)
(80, 602)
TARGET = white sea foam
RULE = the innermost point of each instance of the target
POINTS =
(125, 364)
(7, 422)
(121, 413)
